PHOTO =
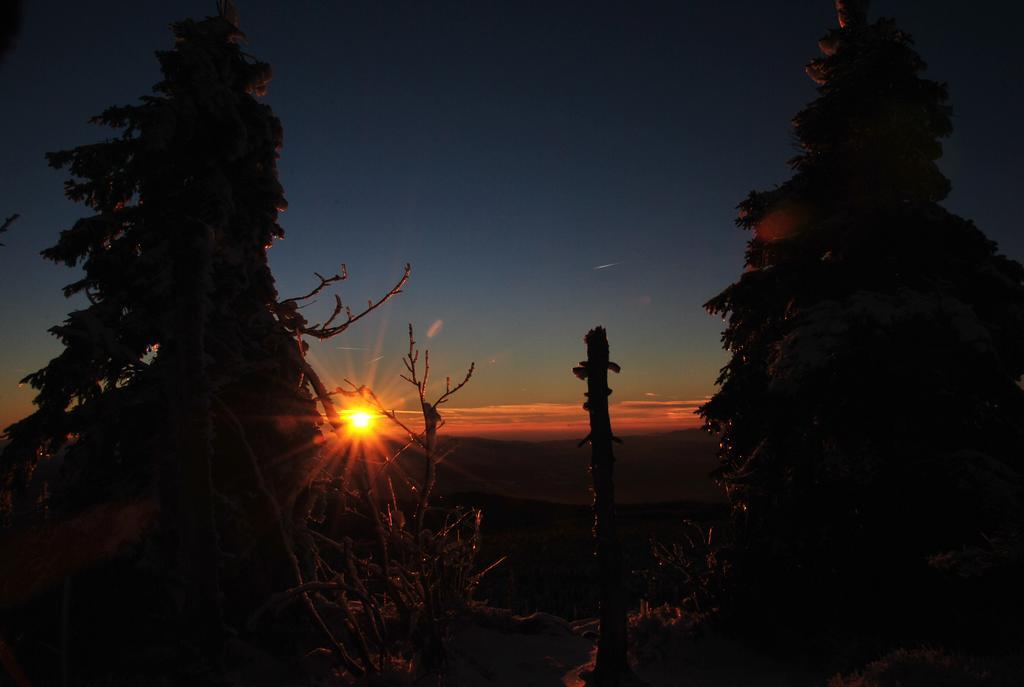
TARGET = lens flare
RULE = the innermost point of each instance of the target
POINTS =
(361, 421)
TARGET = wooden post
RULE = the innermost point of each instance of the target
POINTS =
(611, 666)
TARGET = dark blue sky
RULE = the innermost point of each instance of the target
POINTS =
(505, 149)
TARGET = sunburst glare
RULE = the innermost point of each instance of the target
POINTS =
(361, 421)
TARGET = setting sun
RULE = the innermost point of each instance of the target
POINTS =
(360, 421)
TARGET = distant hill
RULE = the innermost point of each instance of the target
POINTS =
(649, 468)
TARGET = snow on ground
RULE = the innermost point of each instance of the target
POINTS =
(496, 649)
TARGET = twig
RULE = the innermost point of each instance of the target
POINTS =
(287, 310)
(322, 395)
(324, 283)
(432, 420)
(489, 568)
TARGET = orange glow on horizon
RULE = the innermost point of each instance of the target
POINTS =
(541, 421)
(367, 362)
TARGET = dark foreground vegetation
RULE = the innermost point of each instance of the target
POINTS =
(188, 506)
(548, 551)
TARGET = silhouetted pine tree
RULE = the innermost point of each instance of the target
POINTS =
(10, 24)
(870, 417)
(178, 385)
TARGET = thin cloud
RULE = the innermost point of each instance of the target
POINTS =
(569, 419)
(435, 329)
(660, 404)
(559, 420)
(610, 264)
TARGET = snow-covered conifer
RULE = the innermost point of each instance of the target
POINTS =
(870, 415)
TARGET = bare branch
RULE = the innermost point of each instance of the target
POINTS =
(490, 567)
(426, 375)
(324, 283)
(432, 420)
(448, 393)
(322, 395)
(326, 331)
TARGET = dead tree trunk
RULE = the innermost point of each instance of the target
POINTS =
(430, 422)
(611, 664)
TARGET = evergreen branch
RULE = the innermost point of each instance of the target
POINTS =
(7, 223)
